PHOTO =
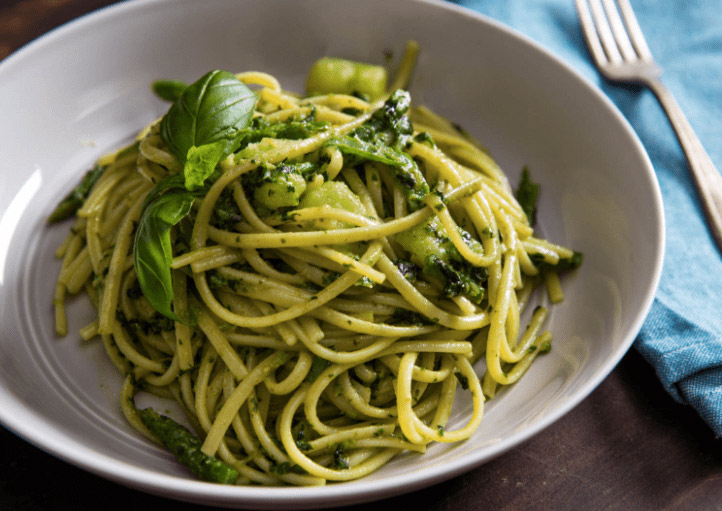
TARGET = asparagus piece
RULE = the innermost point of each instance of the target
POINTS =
(75, 199)
(187, 448)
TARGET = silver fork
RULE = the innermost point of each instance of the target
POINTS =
(621, 54)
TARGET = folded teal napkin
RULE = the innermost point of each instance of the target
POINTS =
(682, 336)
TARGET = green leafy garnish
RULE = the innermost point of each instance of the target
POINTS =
(201, 128)
(430, 247)
(201, 163)
(152, 251)
(383, 139)
(203, 125)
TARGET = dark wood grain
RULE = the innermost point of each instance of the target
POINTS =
(627, 446)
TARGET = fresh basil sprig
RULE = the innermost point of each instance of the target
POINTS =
(202, 126)
(152, 250)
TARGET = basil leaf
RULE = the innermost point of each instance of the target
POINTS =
(169, 90)
(152, 250)
(173, 182)
(201, 163)
(213, 109)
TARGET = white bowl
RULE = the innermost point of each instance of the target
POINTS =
(83, 89)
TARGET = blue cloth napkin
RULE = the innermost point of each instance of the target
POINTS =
(681, 337)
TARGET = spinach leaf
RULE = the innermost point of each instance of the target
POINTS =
(390, 124)
(152, 251)
(528, 194)
(383, 138)
(296, 129)
(368, 151)
(209, 116)
(168, 183)
(169, 90)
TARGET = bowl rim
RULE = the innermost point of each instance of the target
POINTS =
(27, 424)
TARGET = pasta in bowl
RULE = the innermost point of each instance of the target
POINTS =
(312, 278)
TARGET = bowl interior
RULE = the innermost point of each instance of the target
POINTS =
(599, 196)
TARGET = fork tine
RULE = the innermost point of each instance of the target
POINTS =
(635, 33)
(605, 32)
(590, 32)
(619, 31)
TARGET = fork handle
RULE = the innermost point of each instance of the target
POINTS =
(706, 177)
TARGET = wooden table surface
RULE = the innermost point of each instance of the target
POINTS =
(627, 446)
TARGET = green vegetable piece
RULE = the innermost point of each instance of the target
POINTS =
(527, 194)
(169, 90)
(334, 75)
(187, 448)
(335, 194)
(75, 199)
(430, 247)
(283, 189)
(278, 186)
(427, 239)
(214, 109)
(152, 251)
